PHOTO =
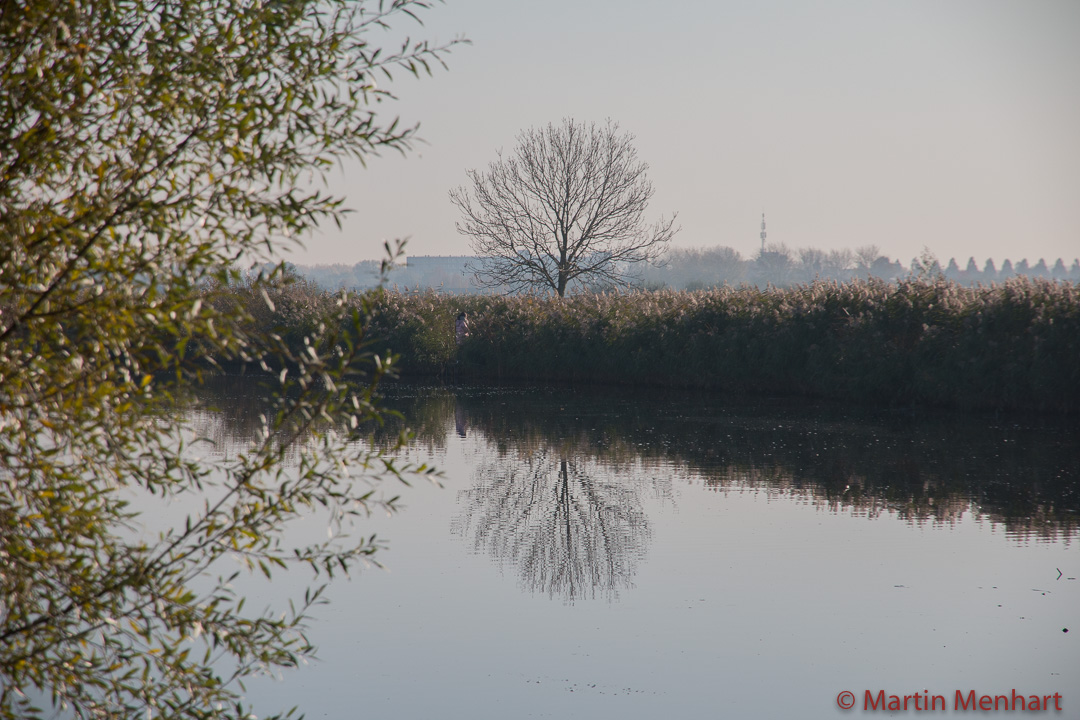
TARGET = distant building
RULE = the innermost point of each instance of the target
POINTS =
(449, 273)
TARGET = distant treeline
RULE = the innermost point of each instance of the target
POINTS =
(702, 268)
(1011, 345)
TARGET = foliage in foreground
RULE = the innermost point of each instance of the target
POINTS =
(1010, 345)
(145, 147)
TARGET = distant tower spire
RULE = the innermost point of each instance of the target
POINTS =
(763, 231)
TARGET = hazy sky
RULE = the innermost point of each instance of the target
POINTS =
(953, 125)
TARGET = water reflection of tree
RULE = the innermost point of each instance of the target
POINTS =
(1020, 472)
(570, 528)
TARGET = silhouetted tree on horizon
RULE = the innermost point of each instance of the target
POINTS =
(565, 206)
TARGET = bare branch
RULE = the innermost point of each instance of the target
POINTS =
(565, 208)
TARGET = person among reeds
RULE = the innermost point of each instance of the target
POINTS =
(461, 328)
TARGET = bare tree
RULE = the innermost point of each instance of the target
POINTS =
(774, 265)
(566, 206)
(865, 257)
(812, 263)
(838, 263)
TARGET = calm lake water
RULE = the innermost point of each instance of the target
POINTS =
(608, 553)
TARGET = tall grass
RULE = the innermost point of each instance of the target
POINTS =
(1011, 345)
(1014, 345)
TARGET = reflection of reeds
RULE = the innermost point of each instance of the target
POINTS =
(1012, 345)
(1023, 476)
(1040, 521)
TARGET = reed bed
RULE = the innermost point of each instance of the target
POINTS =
(1014, 345)
(1011, 345)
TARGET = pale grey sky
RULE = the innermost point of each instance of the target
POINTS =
(952, 124)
